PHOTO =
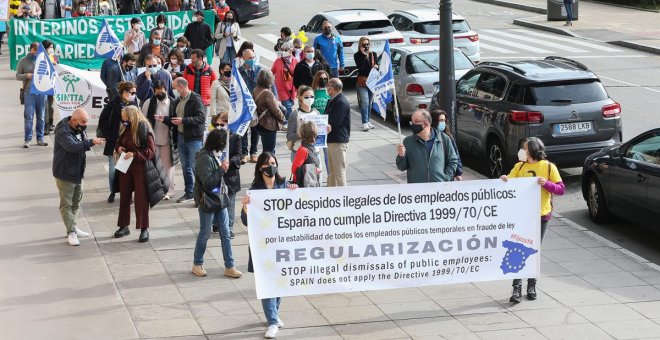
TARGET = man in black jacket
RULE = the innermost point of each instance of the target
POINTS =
(198, 33)
(339, 117)
(232, 176)
(187, 114)
(69, 162)
(305, 70)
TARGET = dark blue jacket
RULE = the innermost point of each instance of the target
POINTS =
(69, 152)
(111, 76)
(339, 118)
(250, 78)
(145, 87)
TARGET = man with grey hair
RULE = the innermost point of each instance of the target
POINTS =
(427, 155)
(339, 117)
(69, 161)
(188, 115)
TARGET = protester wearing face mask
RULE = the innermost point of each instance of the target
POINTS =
(174, 64)
(339, 117)
(266, 177)
(220, 90)
(427, 155)
(82, 10)
(285, 36)
(182, 46)
(71, 144)
(34, 103)
(187, 117)
(365, 60)
(227, 34)
(332, 49)
(29, 9)
(305, 70)
(136, 141)
(166, 33)
(440, 121)
(321, 96)
(532, 163)
(156, 6)
(67, 8)
(159, 107)
(50, 109)
(106, 7)
(155, 47)
(134, 38)
(305, 101)
(154, 72)
(221, 9)
(108, 128)
(297, 51)
(282, 69)
(199, 33)
(200, 77)
(113, 72)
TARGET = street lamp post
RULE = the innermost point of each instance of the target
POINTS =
(447, 93)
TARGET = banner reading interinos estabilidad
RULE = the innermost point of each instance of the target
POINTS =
(329, 240)
(75, 38)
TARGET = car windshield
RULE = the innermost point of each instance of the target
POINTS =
(573, 92)
(433, 27)
(365, 28)
(430, 62)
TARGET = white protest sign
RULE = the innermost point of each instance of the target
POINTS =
(328, 240)
(321, 122)
(76, 88)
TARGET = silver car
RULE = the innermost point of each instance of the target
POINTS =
(416, 69)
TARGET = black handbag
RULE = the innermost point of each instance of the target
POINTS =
(213, 203)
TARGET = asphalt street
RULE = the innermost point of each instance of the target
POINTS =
(631, 77)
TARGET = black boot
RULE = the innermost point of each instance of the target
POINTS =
(516, 294)
(144, 235)
(531, 290)
(111, 197)
(121, 232)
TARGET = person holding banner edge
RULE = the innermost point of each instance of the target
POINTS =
(35, 104)
(266, 177)
(533, 163)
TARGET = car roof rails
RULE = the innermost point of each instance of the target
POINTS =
(497, 63)
(568, 61)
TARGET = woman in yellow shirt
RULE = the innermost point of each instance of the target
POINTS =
(533, 164)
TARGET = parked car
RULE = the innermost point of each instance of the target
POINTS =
(557, 99)
(416, 74)
(624, 180)
(422, 26)
(350, 25)
(246, 10)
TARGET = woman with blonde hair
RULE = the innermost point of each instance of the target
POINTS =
(365, 60)
(136, 141)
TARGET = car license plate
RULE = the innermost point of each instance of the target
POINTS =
(570, 128)
(377, 45)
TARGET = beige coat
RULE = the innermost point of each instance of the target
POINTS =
(235, 33)
(219, 98)
(134, 41)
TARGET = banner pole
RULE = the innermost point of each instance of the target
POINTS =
(396, 114)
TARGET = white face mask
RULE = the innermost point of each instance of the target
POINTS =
(51, 50)
(308, 101)
(161, 25)
(131, 98)
(182, 48)
(522, 155)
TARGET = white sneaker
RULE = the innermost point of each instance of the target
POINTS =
(365, 127)
(272, 331)
(73, 239)
(81, 233)
(280, 323)
(371, 126)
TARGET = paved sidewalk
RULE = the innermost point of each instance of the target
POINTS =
(121, 289)
(622, 26)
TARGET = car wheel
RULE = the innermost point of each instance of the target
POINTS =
(596, 201)
(496, 159)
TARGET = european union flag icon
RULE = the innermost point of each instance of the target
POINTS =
(514, 259)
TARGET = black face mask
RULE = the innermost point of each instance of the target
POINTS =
(81, 128)
(416, 128)
(161, 96)
(129, 67)
(227, 74)
(270, 171)
(323, 82)
(327, 31)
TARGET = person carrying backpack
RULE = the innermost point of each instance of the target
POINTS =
(305, 168)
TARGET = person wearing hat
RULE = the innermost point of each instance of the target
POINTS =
(199, 33)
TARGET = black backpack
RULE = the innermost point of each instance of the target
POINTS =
(308, 174)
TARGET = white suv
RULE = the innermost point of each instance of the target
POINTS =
(422, 26)
(350, 25)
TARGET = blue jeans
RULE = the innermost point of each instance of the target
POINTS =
(569, 10)
(268, 139)
(231, 209)
(230, 55)
(34, 104)
(187, 151)
(271, 309)
(365, 100)
(334, 72)
(254, 140)
(205, 219)
(288, 105)
(111, 170)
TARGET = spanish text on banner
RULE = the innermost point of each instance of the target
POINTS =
(330, 240)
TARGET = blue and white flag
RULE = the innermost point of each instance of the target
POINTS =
(43, 79)
(242, 105)
(107, 43)
(381, 81)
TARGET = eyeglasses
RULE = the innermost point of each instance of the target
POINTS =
(365, 45)
(308, 97)
(326, 78)
(132, 92)
(150, 66)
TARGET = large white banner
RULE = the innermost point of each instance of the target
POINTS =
(76, 88)
(329, 240)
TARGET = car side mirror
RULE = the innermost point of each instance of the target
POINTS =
(615, 152)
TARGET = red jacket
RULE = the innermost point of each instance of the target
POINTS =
(207, 78)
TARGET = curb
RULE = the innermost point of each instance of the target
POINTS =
(525, 23)
(515, 6)
(636, 46)
(622, 6)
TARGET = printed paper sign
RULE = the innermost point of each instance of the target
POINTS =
(321, 122)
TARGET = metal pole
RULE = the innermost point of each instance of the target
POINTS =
(397, 117)
(447, 93)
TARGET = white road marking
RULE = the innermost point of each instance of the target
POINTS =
(513, 44)
(536, 41)
(630, 84)
(269, 37)
(496, 49)
(575, 41)
(265, 53)
(570, 57)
